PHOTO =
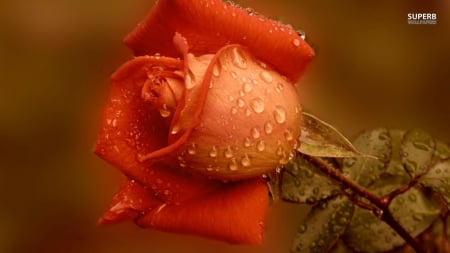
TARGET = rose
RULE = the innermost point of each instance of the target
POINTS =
(193, 136)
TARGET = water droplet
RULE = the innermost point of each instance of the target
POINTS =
(216, 70)
(192, 149)
(266, 76)
(189, 80)
(233, 74)
(175, 129)
(240, 102)
(417, 217)
(245, 161)
(421, 146)
(349, 162)
(228, 152)
(261, 145)
(255, 132)
(296, 42)
(412, 197)
(238, 58)
(232, 165)
(213, 152)
(247, 142)
(247, 112)
(302, 34)
(230, 98)
(288, 134)
(247, 87)
(257, 105)
(268, 127)
(233, 110)
(280, 151)
(164, 111)
(114, 122)
(280, 87)
(279, 114)
(302, 229)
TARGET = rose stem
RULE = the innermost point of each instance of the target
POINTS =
(381, 203)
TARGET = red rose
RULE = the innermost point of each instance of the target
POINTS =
(193, 136)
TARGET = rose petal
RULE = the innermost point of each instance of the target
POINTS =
(235, 214)
(253, 112)
(129, 202)
(132, 127)
(209, 25)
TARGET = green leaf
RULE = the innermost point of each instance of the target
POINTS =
(442, 151)
(365, 170)
(302, 182)
(414, 210)
(438, 179)
(417, 151)
(367, 233)
(319, 138)
(323, 226)
(395, 167)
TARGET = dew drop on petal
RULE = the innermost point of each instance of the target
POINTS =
(164, 111)
(255, 132)
(240, 102)
(288, 134)
(247, 142)
(261, 145)
(280, 151)
(175, 129)
(257, 105)
(245, 161)
(248, 112)
(280, 87)
(268, 127)
(238, 59)
(216, 70)
(296, 42)
(233, 110)
(233, 74)
(266, 76)
(213, 152)
(230, 98)
(232, 165)
(228, 153)
(189, 80)
(247, 87)
(279, 114)
(192, 149)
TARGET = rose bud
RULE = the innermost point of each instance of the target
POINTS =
(238, 117)
(206, 107)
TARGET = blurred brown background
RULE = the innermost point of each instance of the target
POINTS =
(372, 69)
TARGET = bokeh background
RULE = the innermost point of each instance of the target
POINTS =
(372, 69)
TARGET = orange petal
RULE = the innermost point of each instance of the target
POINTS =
(209, 25)
(235, 213)
(132, 127)
(129, 203)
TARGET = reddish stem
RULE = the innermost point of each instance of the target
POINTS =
(382, 203)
